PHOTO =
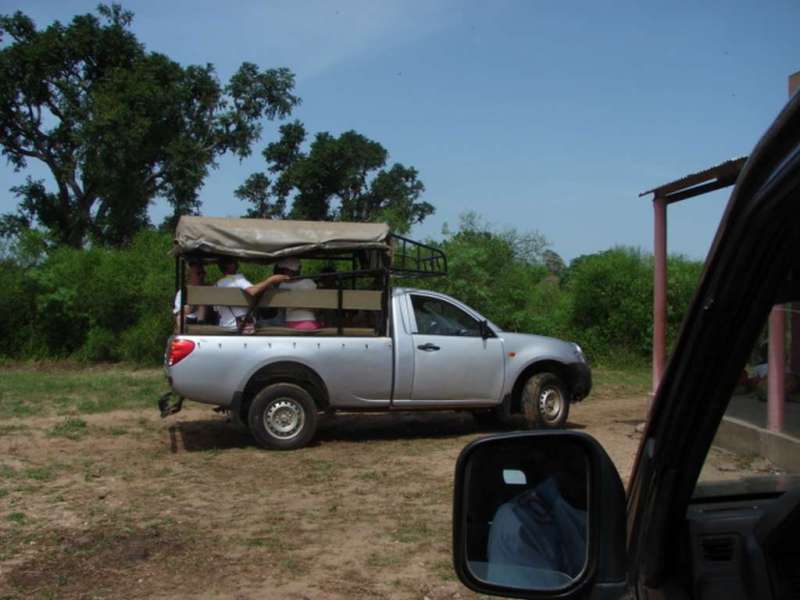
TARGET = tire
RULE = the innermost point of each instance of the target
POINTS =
(545, 402)
(283, 416)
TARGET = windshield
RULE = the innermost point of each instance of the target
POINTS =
(756, 446)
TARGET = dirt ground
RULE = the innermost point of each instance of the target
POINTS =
(188, 507)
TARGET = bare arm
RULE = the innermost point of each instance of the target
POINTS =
(257, 289)
(200, 310)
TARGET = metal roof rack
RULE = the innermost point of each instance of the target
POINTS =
(410, 258)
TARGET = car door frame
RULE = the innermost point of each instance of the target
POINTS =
(745, 274)
(493, 339)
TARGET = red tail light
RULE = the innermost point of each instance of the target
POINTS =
(178, 350)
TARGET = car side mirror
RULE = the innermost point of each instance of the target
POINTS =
(539, 515)
(485, 331)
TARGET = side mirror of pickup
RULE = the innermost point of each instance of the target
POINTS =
(484, 329)
(539, 515)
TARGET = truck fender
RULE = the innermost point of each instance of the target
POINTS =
(531, 369)
(290, 371)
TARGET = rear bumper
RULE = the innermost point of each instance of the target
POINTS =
(580, 377)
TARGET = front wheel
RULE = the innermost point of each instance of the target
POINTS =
(283, 416)
(545, 402)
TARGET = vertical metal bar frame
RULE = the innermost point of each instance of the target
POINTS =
(794, 337)
(382, 330)
(659, 289)
(182, 296)
(177, 274)
(776, 369)
(339, 311)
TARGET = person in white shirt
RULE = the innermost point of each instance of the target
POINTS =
(191, 314)
(301, 319)
(232, 278)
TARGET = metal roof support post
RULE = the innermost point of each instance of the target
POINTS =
(794, 319)
(659, 289)
(776, 361)
(694, 184)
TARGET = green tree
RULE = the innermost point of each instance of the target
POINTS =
(339, 178)
(554, 263)
(256, 191)
(116, 125)
(610, 300)
(494, 271)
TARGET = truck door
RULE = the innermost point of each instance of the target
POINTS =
(453, 364)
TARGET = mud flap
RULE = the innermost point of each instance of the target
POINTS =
(168, 409)
(503, 410)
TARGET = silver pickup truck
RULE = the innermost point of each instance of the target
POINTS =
(424, 350)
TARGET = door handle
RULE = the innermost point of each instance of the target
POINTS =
(428, 347)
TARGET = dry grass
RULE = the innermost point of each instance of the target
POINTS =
(99, 498)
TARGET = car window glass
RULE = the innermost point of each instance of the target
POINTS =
(758, 437)
(437, 317)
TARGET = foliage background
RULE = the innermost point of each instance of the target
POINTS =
(114, 304)
(83, 274)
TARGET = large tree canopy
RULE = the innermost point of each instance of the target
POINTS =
(339, 178)
(118, 126)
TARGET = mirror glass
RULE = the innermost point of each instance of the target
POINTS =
(526, 502)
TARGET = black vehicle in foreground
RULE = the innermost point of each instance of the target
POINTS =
(545, 515)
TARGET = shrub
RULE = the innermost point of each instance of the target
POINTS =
(494, 272)
(105, 305)
(90, 303)
(17, 311)
(101, 345)
(611, 301)
(144, 343)
(683, 276)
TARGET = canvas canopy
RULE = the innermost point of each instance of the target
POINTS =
(265, 239)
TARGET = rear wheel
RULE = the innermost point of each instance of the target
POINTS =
(545, 402)
(283, 416)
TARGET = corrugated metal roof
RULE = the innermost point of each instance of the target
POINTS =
(724, 170)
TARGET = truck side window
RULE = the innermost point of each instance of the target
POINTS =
(437, 317)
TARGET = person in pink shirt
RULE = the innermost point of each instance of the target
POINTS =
(301, 319)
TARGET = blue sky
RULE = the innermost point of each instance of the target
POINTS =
(547, 116)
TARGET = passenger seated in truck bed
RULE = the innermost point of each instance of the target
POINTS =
(301, 319)
(192, 314)
(230, 267)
